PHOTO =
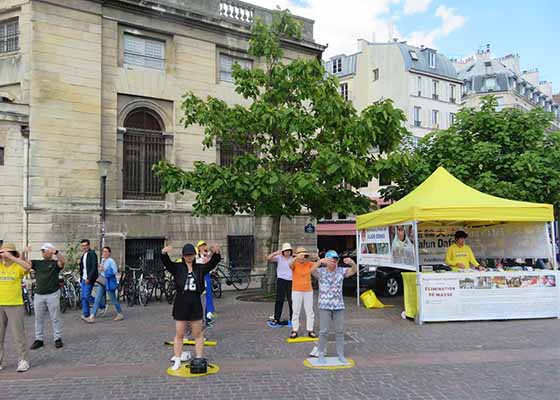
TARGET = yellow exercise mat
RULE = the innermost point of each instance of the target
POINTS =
(303, 339)
(370, 300)
(188, 342)
(185, 371)
(331, 364)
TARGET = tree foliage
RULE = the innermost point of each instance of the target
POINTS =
(509, 153)
(310, 148)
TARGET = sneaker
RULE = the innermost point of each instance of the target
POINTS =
(84, 318)
(185, 356)
(58, 343)
(271, 318)
(176, 365)
(23, 366)
(103, 311)
(119, 317)
(343, 360)
(314, 352)
(1, 367)
(90, 319)
(37, 344)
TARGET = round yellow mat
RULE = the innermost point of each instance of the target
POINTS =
(327, 367)
(185, 372)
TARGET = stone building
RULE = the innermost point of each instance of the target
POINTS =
(89, 80)
(502, 77)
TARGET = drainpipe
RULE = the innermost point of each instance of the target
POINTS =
(25, 185)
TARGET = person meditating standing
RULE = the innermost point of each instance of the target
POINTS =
(187, 307)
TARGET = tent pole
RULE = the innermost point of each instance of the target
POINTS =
(418, 317)
(358, 249)
(554, 261)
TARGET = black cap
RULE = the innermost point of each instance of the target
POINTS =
(188, 250)
(461, 235)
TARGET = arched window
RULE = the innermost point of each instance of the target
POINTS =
(144, 145)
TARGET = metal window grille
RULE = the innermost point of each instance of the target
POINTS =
(142, 149)
(144, 52)
(145, 253)
(227, 61)
(229, 152)
(9, 36)
(241, 251)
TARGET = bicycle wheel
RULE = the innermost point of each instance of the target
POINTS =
(130, 291)
(216, 287)
(72, 299)
(158, 290)
(240, 278)
(63, 301)
(169, 291)
(143, 293)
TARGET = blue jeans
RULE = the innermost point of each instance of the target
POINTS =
(100, 299)
(86, 294)
(209, 295)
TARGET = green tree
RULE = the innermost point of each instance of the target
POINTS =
(308, 147)
(509, 153)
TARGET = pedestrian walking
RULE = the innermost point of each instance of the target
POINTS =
(108, 271)
(302, 291)
(282, 258)
(331, 302)
(12, 271)
(202, 257)
(88, 275)
(187, 306)
(47, 295)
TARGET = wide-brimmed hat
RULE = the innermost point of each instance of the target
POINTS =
(286, 247)
(301, 250)
(8, 247)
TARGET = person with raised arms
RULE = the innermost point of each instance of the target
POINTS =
(331, 301)
(187, 306)
(302, 291)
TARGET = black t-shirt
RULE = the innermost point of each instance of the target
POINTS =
(46, 275)
(190, 284)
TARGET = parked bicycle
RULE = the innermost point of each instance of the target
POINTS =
(27, 299)
(239, 277)
(129, 285)
(68, 296)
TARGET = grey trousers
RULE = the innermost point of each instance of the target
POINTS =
(50, 303)
(325, 318)
(13, 316)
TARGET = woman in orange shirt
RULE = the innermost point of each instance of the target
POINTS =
(302, 292)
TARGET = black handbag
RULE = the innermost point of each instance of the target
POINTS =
(199, 366)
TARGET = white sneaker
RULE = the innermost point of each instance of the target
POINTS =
(185, 356)
(176, 365)
(23, 366)
(314, 352)
(1, 367)
(103, 311)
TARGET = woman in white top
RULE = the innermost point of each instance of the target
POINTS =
(282, 258)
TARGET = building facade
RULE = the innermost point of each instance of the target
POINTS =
(502, 77)
(83, 81)
(420, 81)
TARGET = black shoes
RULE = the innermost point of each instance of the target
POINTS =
(37, 345)
(58, 343)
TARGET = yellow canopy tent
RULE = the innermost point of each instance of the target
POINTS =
(442, 197)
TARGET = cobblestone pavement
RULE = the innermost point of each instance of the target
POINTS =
(395, 359)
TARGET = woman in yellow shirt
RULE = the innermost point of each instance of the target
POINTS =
(12, 271)
(459, 255)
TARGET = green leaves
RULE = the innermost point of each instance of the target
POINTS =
(305, 146)
(508, 153)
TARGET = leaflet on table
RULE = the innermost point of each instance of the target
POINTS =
(508, 240)
(489, 295)
(391, 246)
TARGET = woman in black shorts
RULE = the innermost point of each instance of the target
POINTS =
(187, 308)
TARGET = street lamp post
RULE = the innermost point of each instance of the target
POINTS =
(103, 172)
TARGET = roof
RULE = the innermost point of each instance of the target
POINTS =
(421, 62)
(348, 65)
(481, 68)
(442, 197)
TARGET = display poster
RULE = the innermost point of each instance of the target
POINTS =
(508, 240)
(391, 246)
(489, 295)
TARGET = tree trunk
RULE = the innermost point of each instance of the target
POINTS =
(269, 281)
